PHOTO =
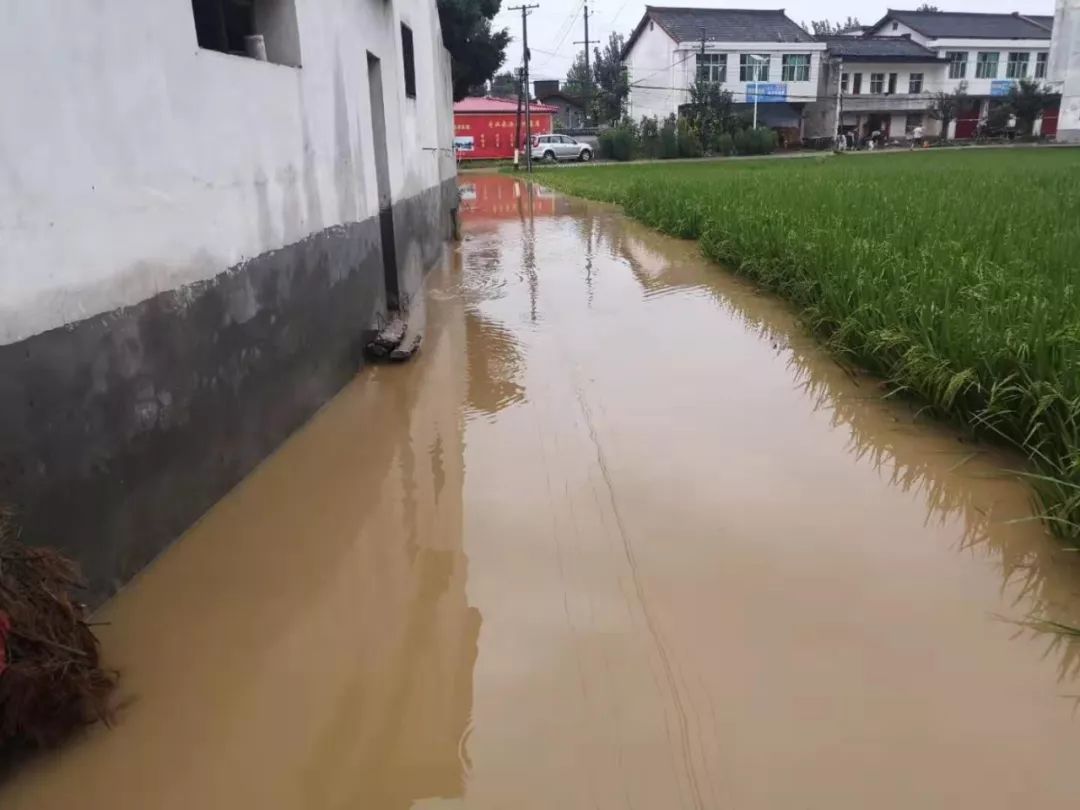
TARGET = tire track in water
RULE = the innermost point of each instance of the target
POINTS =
(650, 621)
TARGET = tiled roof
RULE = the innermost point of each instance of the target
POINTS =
(895, 49)
(721, 25)
(966, 25)
(490, 104)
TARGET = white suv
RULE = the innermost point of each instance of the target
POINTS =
(553, 148)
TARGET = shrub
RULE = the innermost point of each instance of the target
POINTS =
(669, 139)
(620, 142)
(688, 140)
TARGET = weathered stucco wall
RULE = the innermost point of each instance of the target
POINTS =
(134, 162)
(191, 251)
(1064, 68)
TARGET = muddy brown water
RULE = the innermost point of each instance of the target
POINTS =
(621, 536)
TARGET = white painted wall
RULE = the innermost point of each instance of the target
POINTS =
(132, 161)
(981, 87)
(652, 75)
(933, 75)
(662, 71)
(1065, 67)
(806, 91)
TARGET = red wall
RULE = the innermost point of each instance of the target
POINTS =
(493, 133)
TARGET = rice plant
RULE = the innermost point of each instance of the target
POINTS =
(955, 276)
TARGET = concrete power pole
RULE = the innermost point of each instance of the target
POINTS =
(588, 73)
(524, 9)
(839, 87)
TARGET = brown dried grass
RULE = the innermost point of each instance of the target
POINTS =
(51, 679)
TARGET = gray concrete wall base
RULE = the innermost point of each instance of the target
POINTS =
(119, 431)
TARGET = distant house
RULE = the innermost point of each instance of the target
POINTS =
(760, 56)
(570, 107)
(486, 128)
(988, 53)
(885, 85)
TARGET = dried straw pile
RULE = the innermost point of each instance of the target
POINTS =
(51, 680)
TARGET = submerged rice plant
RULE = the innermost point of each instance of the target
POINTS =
(952, 275)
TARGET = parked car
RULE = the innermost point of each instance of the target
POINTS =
(553, 148)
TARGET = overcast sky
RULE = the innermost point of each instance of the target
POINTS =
(557, 23)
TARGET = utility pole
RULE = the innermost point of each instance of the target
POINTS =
(524, 9)
(588, 73)
(839, 86)
(517, 118)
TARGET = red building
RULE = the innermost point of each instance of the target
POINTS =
(484, 127)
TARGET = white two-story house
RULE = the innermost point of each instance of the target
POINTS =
(987, 53)
(882, 84)
(761, 56)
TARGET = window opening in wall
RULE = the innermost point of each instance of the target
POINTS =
(986, 65)
(856, 84)
(264, 30)
(1041, 59)
(712, 67)
(843, 82)
(915, 83)
(957, 64)
(912, 120)
(895, 25)
(795, 67)
(1017, 66)
(877, 83)
(753, 67)
(892, 83)
(408, 58)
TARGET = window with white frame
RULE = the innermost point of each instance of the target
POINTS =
(1041, 58)
(986, 65)
(912, 120)
(265, 30)
(795, 67)
(877, 83)
(712, 67)
(1017, 66)
(844, 80)
(856, 84)
(914, 83)
(753, 67)
(957, 64)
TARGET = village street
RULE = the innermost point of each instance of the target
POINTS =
(624, 537)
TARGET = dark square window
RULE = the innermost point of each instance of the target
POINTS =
(407, 57)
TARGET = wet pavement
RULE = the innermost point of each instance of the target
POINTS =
(620, 536)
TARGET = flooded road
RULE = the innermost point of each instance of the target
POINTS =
(620, 537)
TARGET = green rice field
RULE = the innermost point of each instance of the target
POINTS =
(953, 275)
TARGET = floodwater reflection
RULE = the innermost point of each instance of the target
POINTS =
(621, 535)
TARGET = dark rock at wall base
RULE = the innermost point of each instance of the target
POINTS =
(118, 432)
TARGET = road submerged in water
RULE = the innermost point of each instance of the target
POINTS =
(621, 536)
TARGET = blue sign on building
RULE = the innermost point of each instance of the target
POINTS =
(1001, 87)
(764, 93)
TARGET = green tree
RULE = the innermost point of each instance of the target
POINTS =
(710, 112)
(476, 51)
(579, 81)
(610, 80)
(1026, 100)
(504, 85)
(944, 107)
(824, 28)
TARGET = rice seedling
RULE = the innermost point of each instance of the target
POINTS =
(952, 275)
